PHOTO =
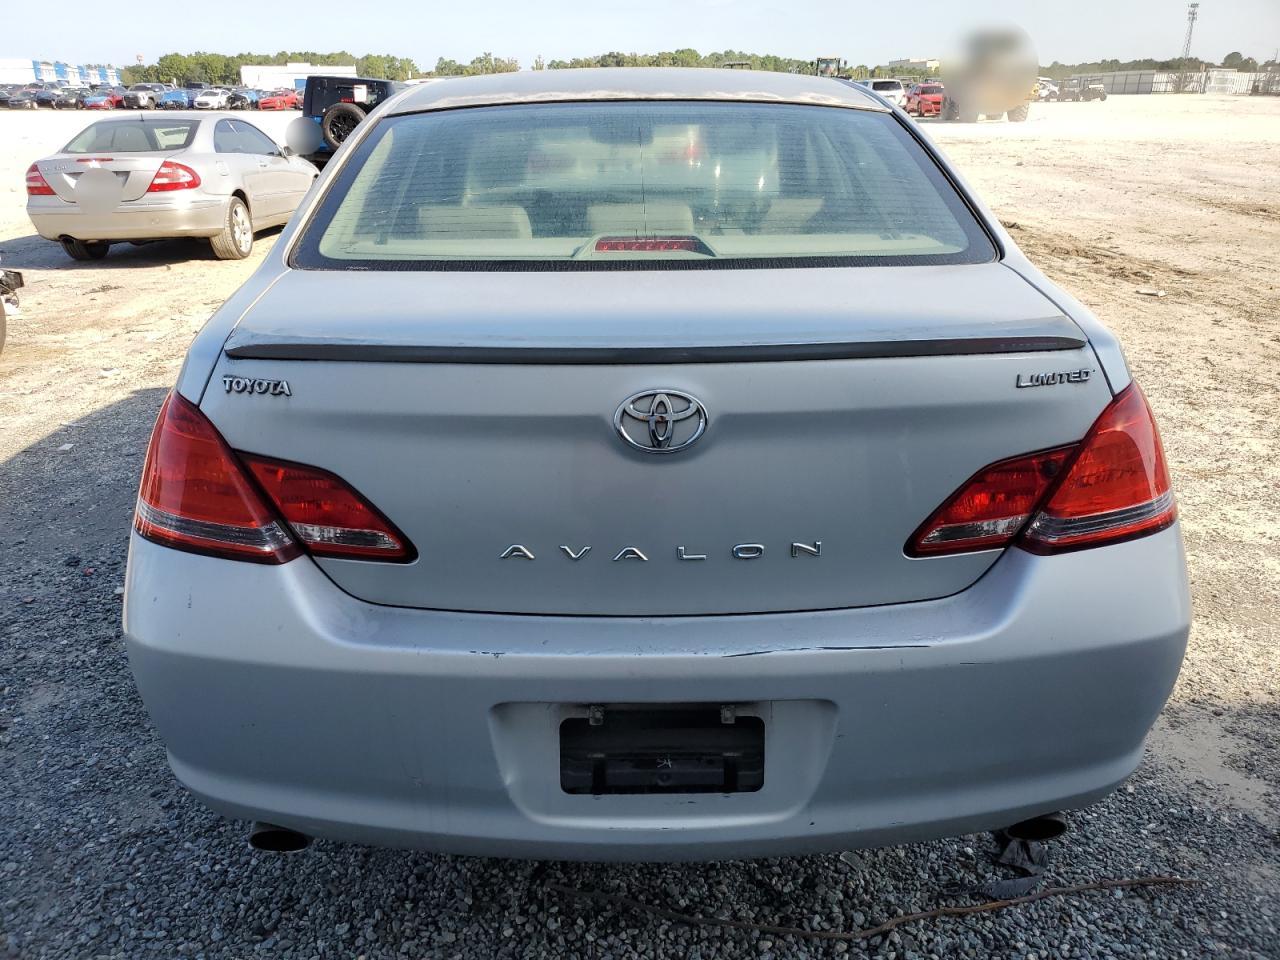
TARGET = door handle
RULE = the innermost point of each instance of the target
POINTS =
(262, 163)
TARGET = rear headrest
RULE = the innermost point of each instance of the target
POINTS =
(474, 222)
(790, 214)
(639, 219)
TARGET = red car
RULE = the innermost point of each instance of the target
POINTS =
(279, 100)
(105, 98)
(925, 99)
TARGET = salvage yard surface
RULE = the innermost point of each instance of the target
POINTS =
(1162, 214)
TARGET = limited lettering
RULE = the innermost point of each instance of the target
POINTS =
(1052, 379)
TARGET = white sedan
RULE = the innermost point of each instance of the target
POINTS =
(149, 176)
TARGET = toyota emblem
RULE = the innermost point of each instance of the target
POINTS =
(660, 421)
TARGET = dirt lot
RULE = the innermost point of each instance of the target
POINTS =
(1160, 213)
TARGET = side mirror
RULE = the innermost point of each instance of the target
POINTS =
(286, 151)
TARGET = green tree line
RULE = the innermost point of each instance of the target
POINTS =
(224, 69)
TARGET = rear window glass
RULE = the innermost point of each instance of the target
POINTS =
(127, 136)
(632, 184)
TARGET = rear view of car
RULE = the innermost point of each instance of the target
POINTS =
(651, 465)
(891, 90)
(338, 105)
(152, 177)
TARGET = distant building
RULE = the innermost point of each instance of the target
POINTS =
(28, 71)
(275, 77)
(914, 63)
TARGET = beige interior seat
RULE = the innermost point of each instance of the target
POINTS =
(474, 222)
(639, 219)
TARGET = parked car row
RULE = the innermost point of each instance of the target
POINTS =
(60, 94)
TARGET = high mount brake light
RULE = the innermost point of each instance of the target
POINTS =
(1112, 486)
(649, 244)
(200, 496)
(173, 176)
(37, 185)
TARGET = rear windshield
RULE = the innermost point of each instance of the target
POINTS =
(130, 136)
(665, 184)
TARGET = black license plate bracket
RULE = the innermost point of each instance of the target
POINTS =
(657, 750)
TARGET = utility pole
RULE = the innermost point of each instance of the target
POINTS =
(1193, 11)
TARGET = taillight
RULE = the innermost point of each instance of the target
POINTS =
(989, 510)
(37, 185)
(1112, 486)
(173, 176)
(199, 495)
(1116, 488)
(328, 516)
(196, 497)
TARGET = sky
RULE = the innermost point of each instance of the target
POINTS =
(870, 31)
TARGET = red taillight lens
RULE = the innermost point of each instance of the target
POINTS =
(37, 185)
(1113, 485)
(648, 244)
(174, 176)
(195, 496)
(987, 512)
(1116, 488)
(332, 519)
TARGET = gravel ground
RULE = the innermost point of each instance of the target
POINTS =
(103, 854)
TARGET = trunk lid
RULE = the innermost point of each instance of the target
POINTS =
(478, 412)
(133, 171)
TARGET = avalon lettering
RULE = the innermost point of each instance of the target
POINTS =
(739, 551)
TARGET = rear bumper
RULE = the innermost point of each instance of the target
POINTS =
(175, 216)
(283, 699)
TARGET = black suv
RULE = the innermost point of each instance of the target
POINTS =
(338, 104)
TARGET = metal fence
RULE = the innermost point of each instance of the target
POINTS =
(1203, 81)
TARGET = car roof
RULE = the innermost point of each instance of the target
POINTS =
(631, 83)
(168, 116)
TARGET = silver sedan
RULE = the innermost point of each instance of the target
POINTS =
(154, 177)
